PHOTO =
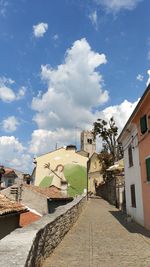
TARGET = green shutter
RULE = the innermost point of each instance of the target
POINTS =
(148, 168)
(143, 124)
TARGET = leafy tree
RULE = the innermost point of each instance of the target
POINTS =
(111, 150)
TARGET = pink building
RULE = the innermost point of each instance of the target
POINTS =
(135, 138)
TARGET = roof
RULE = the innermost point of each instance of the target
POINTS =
(134, 111)
(50, 192)
(28, 218)
(8, 206)
(9, 171)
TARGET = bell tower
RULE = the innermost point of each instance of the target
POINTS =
(88, 142)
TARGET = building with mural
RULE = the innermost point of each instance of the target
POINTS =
(63, 168)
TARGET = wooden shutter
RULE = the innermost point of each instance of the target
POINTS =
(148, 168)
(143, 124)
(133, 197)
(130, 156)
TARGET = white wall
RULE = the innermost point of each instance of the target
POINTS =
(133, 176)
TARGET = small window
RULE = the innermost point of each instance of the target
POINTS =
(148, 168)
(143, 124)
(130, 156)
(89, 141)
(133, 197)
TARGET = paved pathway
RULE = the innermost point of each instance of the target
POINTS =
(102, 237)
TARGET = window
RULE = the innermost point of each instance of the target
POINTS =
(143, 124)
(89, 141)
(130, 156)
(133, 198)
(148, 168)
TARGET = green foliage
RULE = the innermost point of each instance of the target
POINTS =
(77, 178)
(111, 150)
(46, 182)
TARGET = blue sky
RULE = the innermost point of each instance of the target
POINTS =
(65, 63)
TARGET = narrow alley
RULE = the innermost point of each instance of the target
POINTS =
(102, 237)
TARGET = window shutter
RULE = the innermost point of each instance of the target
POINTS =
(143, 124)
(133, 198)
(130, 156)
(148, 168)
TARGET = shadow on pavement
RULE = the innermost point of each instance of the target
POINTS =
(132, 226)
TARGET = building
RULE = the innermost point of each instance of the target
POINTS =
(9, 215)
(135, 139)
(94, 173)
(8, 178)
(62, 167)
(88, 142)
(40, 201)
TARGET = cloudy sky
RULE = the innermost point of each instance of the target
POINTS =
(63, 64)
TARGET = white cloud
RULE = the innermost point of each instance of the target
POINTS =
(121, 113)
(55, 37)
(74, 88)
(6, 92)
(94, 19)
(10, 124)
(148, 81)
(140, 77)
(40, 29)
(3, 7)
(21, 93)
(117, 5)
(13, 154)
(44, 141)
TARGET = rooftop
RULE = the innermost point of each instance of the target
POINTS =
(50, 192)
(8, 206)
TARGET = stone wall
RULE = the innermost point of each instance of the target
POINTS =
(31, 245)
(108, 191)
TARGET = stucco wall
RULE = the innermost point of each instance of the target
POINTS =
(60, 156)
(31, 245)
(132, 176)
(31, 199)
(144, 149)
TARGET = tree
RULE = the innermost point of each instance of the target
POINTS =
(108, 132)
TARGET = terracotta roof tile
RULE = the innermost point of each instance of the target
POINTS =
(50, 192)
(8, 206)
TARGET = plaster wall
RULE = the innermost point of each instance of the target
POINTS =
(60, 156)
(144, 149)
(133, 176)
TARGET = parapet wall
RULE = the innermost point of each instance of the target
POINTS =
(31, 245)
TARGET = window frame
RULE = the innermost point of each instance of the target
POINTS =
(133, 195)
(146, 160)
(130, 156)
(144, 117)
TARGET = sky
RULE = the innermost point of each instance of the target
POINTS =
(63, 65)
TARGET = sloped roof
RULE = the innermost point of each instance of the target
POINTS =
(8, 206)
(50, 192)
(9, 171)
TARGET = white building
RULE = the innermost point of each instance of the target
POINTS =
(133, 188)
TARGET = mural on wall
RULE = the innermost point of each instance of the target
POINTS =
(73, 175)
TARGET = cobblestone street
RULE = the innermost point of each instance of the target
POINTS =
(102, 237)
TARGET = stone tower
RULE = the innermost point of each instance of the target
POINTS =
(88, 142)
